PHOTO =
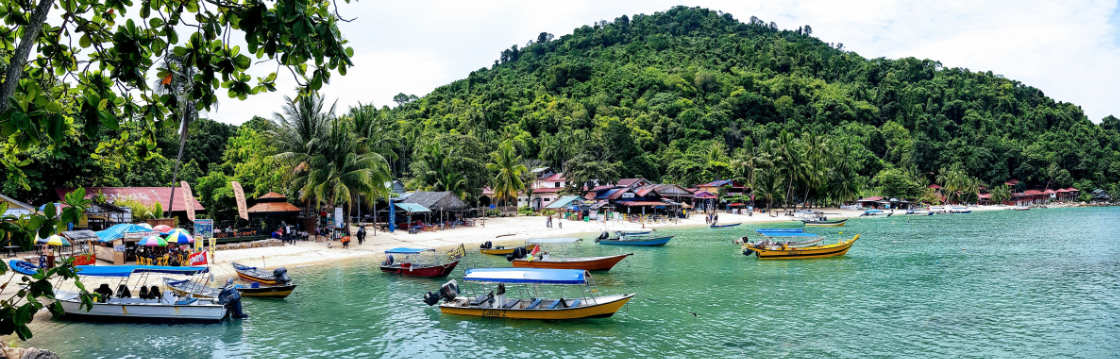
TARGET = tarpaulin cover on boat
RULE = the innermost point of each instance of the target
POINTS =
(526, 275)
(403, 250)
(127, 270)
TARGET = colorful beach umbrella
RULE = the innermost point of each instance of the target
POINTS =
(179, 236)
(162, 229)
(53, 240)
(152, 241)
(145, 225)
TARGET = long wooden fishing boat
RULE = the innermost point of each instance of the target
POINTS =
(496, 305)
(604, 263)
(724, 225)
(783, 250)
(825, 223)
(417, 262)
(642, 241)
(490, 248)
(201, 291)
(278, 276)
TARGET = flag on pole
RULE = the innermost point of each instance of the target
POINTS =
(198, 259)
(457, 252)
(536, 250)
(239, 195)
(188, 199)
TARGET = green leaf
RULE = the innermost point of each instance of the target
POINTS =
(155, 22)
(84, 41)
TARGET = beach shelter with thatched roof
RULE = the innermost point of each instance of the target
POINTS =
(272, 209)
(443, 205)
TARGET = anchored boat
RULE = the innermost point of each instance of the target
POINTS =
(725, 225)
(489, 248)
(420, 262)
(278, 276)
(822, 222)
(540, 259)
(771, 248)
(150, 303)
(201, 291)
(496, 304)
(621, 239)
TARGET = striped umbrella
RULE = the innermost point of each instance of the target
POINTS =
(152, 241)
(162, 229)
(54, 240)
(179, 236)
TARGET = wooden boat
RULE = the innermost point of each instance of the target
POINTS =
(1021, 208)
(635, 233)
(490, 248)
(201, 291)
(417, 262)
(496, 305)
(825, 223)
(783, 250)
(278, 276)
(156, 307)
(959, 210)
(271, 291)
(644, 241)
(604, 263)
(725, 225)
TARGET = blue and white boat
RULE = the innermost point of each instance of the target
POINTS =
(149, 304)
(634, 240)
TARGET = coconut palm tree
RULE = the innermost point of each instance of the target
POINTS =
(508, 170)
(301, 127)
(340, 173)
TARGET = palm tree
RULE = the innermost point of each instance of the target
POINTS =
(508, 171)
(300, 130)
(341, 173)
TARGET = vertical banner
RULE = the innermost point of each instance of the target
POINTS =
(392, 217)
(188, 199)
(239, 194)
(339, 220)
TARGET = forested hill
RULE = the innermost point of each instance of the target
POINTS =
(690, 95)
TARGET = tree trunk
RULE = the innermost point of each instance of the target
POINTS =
(19, 60)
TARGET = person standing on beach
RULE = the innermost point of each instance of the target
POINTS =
(361, 234)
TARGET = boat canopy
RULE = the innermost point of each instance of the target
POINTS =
(128, 270)
(412, 208)
(526, 275)
(552, 240)
(404, 250)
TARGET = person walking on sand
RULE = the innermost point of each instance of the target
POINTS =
(361, 234)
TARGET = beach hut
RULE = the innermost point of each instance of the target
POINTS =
(15, 207)
(273, 210)
(445, 207)
(412, 209)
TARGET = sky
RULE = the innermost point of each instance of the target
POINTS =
(1070, 49)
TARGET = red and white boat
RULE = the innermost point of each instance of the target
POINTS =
(420, 262)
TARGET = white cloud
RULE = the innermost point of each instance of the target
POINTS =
(1069, 50)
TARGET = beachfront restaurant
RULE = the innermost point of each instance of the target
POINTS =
(446, 210)
(271, 211)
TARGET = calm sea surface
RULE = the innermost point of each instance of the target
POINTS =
(1041, 283)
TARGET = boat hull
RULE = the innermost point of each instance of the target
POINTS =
(249, 274)
(825, 251)
(653, 242)
(425, 272)
(500, 251)
(590, 264)
(724, 225)
(606, 307)
(280, 291)
(144, 311)
(839, 223)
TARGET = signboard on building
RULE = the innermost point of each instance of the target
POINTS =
(204, 228)
(628, 195)
(338, 220)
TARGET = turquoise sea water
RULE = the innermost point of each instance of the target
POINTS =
(1040, 283)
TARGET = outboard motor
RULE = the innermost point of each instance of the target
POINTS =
(231, 298)
(486, 245)
(447, 292)
(748, 252)
(603, 236)
(518, 253)
(281, 275)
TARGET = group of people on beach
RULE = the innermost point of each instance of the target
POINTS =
(548, 223)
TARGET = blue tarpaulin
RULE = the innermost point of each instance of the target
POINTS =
(526, 275)
(127, 270)
(412, 208)
(117, 231)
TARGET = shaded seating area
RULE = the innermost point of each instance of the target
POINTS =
(444, 211)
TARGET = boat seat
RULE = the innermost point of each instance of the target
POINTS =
(536, 303)
(482, 299)
(510, 303)
(556, 303)
(573, 304)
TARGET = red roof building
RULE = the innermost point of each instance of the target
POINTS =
(149, 196)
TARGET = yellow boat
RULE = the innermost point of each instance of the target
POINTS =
(498, 306)
(775, 250)
(489, 248)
